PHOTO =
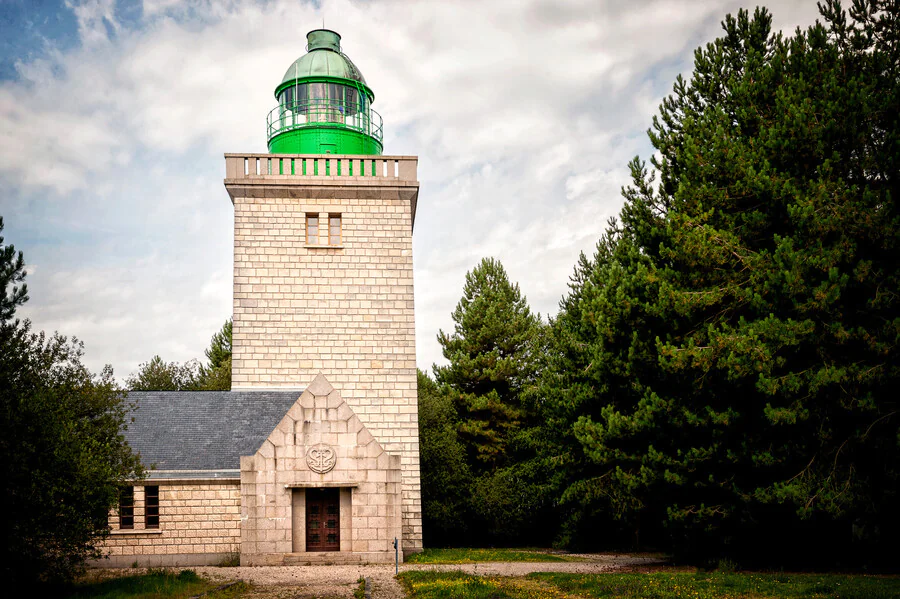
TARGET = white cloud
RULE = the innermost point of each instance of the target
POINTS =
(524, 116)
(155, 7)
(95, 19)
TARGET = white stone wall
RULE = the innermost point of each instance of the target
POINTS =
(199, 524)
(345, 312)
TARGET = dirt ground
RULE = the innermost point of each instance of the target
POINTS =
(333, 582)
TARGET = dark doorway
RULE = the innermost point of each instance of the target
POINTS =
(323, 520)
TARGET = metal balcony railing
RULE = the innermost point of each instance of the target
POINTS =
(324, 112)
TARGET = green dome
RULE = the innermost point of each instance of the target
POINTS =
(324, 104)
(324, 59)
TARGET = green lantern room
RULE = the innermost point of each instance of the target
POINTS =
(324, 105)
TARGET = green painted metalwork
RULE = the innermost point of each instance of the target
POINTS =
(323, 38)
(324, 104)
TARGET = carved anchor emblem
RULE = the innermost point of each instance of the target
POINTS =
(320, 458)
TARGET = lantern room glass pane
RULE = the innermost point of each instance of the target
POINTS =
(351, 99)
(333, 93)
(305, 104)
(316, 91)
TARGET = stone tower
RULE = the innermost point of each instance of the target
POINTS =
(323, 285)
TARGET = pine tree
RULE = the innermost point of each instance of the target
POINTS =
(492, 357)
(217, 375)
(738, 341)
(12, 279)
(600, 358)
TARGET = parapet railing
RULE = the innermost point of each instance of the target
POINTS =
(324, 112)
(255, 166)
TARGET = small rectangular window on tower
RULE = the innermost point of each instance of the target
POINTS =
(151, 506)
(126, 508)
(312, 229)
(334, 229)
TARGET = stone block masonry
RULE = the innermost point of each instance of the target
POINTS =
(200, 524)
(344, 310)
(275, 480)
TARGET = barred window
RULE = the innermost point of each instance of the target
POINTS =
(151, 506)
(126, 508)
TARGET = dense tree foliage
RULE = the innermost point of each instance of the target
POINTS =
(12, 279)
(445, 472)
(725, 362)
(159, 375)
(216, 376)
(492, 357)
(62, 451)
(720, 377)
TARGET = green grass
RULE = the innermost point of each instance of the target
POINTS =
(472, 556)
(717, 585)
(360, 591)
(428, 584)
(545, 585)
(155, 584)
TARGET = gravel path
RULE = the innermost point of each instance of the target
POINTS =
(320, 582)
(308, 582)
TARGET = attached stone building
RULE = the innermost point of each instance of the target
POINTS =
(313, 456)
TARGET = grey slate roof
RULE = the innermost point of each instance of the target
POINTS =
(203, 430)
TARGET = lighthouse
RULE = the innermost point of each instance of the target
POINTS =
(312, 457)
(324, 308)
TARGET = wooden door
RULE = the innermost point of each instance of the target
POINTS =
(323, 520)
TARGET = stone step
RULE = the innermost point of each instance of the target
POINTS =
(320, 558)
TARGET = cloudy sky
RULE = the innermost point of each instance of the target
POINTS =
(114, 117)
